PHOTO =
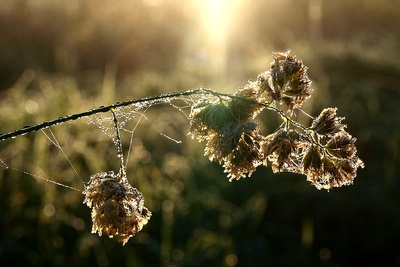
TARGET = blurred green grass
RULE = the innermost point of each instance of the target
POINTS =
(59, 58)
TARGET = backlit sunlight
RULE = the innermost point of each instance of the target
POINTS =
(216, 22)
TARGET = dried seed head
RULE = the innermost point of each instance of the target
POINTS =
(248, 105)
(342, 145)
(336, 172)
(327, 123)
(246, 157)
(220, 144)
(209, 117)
(283, 149)
(117, 207)
(218, 147)
(265, 84)
(286, 81)
(238, 147)
(324, 152)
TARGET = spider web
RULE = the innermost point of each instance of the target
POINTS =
(126, 114)
(129, 119)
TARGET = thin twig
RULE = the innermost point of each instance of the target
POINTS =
(102, 109)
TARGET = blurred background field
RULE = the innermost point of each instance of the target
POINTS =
(64, 57)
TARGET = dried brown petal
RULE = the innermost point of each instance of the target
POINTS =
(312, 162)
(246, 157)
(336, 172)
(218, 147)
(286, 81)
(327, 123)
(264, 81)
(209, 116)
(238, 147)
(342, 145)
(247, 106)
(273, 141)
(280, 138)
(283, 150)
(285, 160)
(117, 207)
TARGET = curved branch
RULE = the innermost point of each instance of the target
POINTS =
(102, 109)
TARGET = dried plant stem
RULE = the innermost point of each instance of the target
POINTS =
(103, 109)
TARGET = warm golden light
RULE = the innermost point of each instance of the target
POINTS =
(215, 24)
(215, 20)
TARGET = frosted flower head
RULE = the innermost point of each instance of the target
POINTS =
(335, 172)
(286, 82)
(342, 145)
(312, 160)
(206, 118)
(238, 147)
(334, 166)
(117, 207)
(247, 105)
(246, 156)
(283, 149)
(327, 123)
(324, 152)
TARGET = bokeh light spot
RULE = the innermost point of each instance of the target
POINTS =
(49, 210)
(231, 260)
(78, 224)
(177, 254)
(31, 107)
(167, 205)
(28, 75)
(325, 253)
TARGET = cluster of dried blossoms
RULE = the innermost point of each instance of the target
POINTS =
(117, 207)
(324, 152)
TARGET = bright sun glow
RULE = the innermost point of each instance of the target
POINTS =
(216, 17)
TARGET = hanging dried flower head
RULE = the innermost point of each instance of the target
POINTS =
(246, 157)
(312, 161)
(117, 208)
(238, 147)
(335, 172)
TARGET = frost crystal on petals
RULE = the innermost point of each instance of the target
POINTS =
(248, 104)
(335, 172)
(238, 147)
(338, 163)
(327, 123)
(246, 156)
(283, 149)
(286, 81)
(117, 207)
